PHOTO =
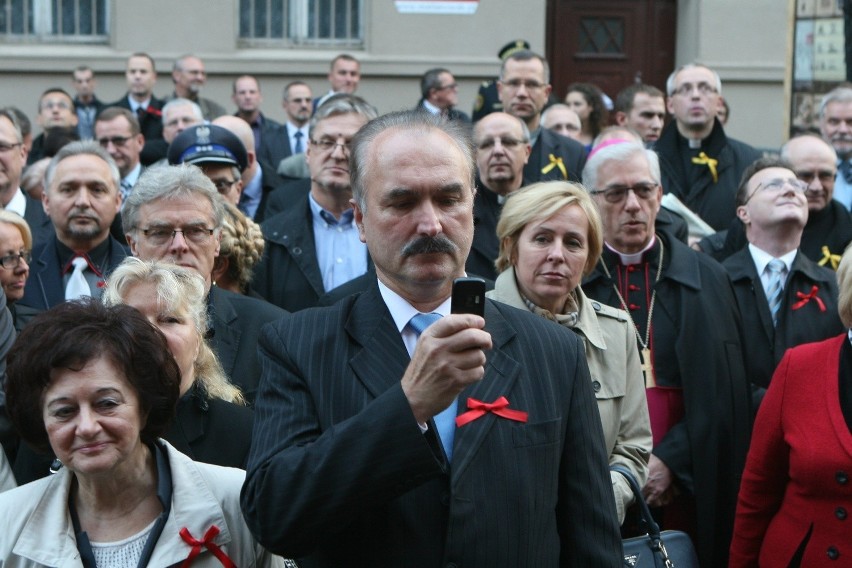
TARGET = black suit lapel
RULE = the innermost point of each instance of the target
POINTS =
(501, 373)
(745, 278)
(226, 336)
(382, 361)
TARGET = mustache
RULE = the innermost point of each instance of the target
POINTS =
(429, 245)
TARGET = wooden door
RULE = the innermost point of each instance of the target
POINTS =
(611, 43)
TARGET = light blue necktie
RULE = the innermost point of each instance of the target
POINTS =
(776, 269)
(299, 146)
(445, 421)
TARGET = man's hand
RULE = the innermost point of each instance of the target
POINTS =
(449, 356)
(659, 490)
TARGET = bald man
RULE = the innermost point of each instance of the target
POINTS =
(255, 185)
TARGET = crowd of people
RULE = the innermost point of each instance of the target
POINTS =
(235, 342)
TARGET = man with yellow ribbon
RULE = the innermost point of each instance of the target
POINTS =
(524, 87)
(699, 163)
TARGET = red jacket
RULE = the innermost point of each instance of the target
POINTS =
(798, 474)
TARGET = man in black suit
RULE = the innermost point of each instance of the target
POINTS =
(283, 141)
(141, 76)
(524, 86)
(175, 214)
(502, 149)
(81, 198)
(312, 246)
(796, 303)
(86, 104)
(357, 457)
(12, 159)
(440, 94)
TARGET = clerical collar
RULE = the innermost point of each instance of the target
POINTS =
(694, 143)
(635, 258)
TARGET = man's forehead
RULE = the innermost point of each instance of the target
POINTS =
(498, 125)
(247, 84)
(696, 74)
(525, 67)
(810, 149)
(181, 208)
(55, 97)
(119, 122)
(838, 108)
(137, 63)
(347, 123)
(298, 91)
(771, 173)
(646, 100)
(82, 167)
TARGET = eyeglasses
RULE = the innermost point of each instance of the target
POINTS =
(328, 145)
(61, 105)
(824, 176)
(159, 236)
(516, 84)
(776, 185)
(12, 261)
(453, 86)
(223, 185)
(8, 147)
(506, 142)
(117, 141)
(703, 89)
(618, 193)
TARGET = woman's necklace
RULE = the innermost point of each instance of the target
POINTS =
(647, 365)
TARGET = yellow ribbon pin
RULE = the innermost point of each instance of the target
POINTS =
(704, 160)
(827, 257)
(555, 163)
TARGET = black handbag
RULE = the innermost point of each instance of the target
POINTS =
(666, 549)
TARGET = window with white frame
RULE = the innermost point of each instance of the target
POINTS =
(64, 21)
(314, 23)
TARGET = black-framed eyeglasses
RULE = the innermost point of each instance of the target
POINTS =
(618, 193)
(224, 185)
(778, 184)
(328, 145)
(9, 147)
(12, 261)
(117, 141)
(159, 236)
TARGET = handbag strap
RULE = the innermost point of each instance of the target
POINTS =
(650, 525)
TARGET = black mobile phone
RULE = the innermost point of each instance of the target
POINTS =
(468, 296)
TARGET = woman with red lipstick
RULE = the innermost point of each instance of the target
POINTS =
(98, 386)
(16, 243)
(550, 235)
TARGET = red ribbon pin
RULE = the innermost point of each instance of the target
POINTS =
(805, 298)
(500, 407)
(206, 542)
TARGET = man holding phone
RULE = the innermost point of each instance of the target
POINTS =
(383, 440)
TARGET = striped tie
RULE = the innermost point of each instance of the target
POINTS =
(445, 421)
(776, 269)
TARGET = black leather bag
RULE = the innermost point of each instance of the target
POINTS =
(666, 549)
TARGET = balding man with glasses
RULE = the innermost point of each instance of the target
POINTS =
(687, 330)
(524, 87)
(700, 165)
(312, 245)
(784, 297)
(175, 214)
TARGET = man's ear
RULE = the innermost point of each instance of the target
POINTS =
(620, 118)
(742, 214)
(359, 220)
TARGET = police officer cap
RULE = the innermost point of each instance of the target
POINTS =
(208, 143)
(513, 47)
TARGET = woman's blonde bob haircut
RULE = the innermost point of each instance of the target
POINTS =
(178, 290)
(540, 201)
